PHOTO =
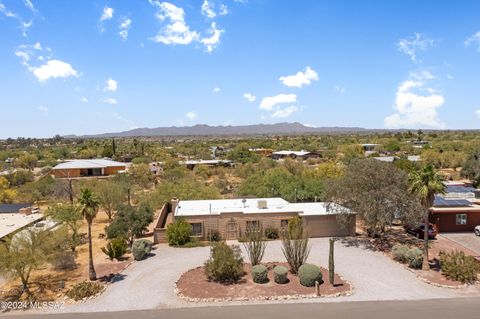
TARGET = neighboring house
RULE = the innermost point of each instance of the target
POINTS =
(87, 168)
(267, 152)
(232, 217)
(391, 159)
(456, 210)
(192, 163)
(294, 154)
(15, 217)
(370, 148)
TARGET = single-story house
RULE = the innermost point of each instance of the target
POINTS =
(87, 168)
(294, 154)
(192, 163)
(15, 217)
(391, 159)
(456, 210)
(232, 217)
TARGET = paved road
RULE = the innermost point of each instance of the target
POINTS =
(149, 284)
(461, 308)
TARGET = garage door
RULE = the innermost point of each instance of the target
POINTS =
(327, 226)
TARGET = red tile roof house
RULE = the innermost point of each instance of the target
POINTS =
(456, 211)
(231, 217)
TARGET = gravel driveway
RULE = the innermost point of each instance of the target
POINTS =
(468, 240)
(150, 283)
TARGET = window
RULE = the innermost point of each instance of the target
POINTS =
(461, 219)
(253, 225)
(284, 223)
(196, 229)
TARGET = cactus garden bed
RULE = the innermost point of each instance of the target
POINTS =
(194, 286)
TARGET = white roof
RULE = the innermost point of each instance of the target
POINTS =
(251, 206)
(88, 163)
(10, 223)
(297, 153)
(206, 162)
(385, 158)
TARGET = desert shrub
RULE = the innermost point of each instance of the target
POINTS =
(179, 232)
(141, 248)
(415, 257)
(309, 274)
(84, 289)
(458, 266)
(255, 246)
(115, 248)
(225, 263)
(64, 260)
(214, 235)
(295, 244)
(260, 274)
(194, 242)
(399, 253)
(280, 274)
(271, 233)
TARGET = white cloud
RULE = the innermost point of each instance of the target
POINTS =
(223, 10)
(216, 90)
(54, 69)
(176, 31)
(340, 90)
(84, 99)
(43, 109)
(269, 102)
(214, 39)
(111, 85)
(208, 9)
(124, 26)
(191, 115)
(416, 104)
(24, 26)
(29, 5)
(411, 45)
(477, 112)
(300, 79)
(249, 97)
(109, 100)
(285, 112)
(107, 14)
(474, 39)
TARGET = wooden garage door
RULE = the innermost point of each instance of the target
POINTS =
(327, 226)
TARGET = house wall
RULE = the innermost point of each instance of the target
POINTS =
(446, 221)
(113, 170)
(328, 226)
(66, 173)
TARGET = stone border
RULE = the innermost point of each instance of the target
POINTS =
(425, 280)
(179, 294)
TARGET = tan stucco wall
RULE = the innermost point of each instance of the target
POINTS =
(65, 173)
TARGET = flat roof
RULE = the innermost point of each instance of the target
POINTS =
(251, 206)
(297, 153)
(88, 163)
(13, 208)
(10, 223)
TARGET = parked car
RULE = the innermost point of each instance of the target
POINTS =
(418, 230)
(477, 230)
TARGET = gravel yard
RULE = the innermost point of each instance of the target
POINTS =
(150, 283)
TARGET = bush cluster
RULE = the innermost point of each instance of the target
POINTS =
(412, 256)
(141, 248)
(115, 248)
(84, 289)
(271, 233)
(458, 266)
(214, 235)
(260, 274)
(225, 263)
(280, 274)
(309, 274)
(179, 233)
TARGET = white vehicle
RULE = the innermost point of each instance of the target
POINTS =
(477, 230)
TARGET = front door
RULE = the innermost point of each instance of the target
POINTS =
(231, 231)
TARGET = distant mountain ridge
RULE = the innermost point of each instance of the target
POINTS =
(207, 130)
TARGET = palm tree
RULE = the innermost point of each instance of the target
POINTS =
(425, 183)
(89, 208)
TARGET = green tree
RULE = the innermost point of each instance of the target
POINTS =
(130, 222)
(70, 216)
(241, 154)
(425, 183)
(7, 195)
(89, 208)
(110, 195)
(27, 161)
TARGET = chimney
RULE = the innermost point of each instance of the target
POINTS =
(173, 205)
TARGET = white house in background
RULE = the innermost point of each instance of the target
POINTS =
(294, 154)
(15, 217)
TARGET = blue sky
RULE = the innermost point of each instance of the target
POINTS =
(85, 67)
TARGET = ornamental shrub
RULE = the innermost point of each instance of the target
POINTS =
(309, 274)
(260, 274)
(84, 289)
(414, 258)
(225, 263)
(179, 232)
(399, 253)
(280, 274)
(141, 248)
(456, 265)
(271, 233)
(214, 235)
(115, 248)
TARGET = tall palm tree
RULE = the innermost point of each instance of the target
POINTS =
(89, 208)
(425, 183)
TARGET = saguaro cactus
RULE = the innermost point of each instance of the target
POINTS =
(331, 262)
